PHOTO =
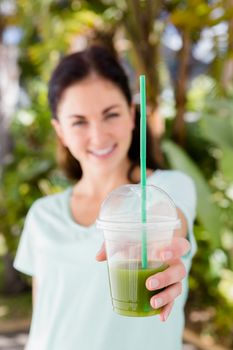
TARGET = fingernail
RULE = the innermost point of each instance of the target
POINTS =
(166, 314)
(157, 302)
(166, 255)
(154, 283)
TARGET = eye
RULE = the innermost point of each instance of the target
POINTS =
(112, 115)
(79, 123)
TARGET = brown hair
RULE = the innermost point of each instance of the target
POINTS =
(73, 69)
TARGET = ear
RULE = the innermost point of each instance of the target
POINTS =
(58, 130)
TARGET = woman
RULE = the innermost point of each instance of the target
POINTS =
(94, 119)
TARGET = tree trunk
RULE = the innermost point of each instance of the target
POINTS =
(179, 130)
(12, 282)
(139, 23)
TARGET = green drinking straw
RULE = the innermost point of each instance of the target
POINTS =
(143, 165)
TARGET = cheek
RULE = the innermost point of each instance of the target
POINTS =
(74, 140)
(123, 131)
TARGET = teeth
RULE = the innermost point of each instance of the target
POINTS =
(102, 152)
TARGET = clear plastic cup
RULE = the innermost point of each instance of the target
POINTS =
(120, 221)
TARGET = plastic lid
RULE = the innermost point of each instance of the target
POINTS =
(122, 209)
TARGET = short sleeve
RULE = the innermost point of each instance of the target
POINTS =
(25, 255)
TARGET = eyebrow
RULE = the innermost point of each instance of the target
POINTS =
(106, 110)
(109, 108)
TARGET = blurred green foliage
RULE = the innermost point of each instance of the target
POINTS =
(31, 161)
(211, 279)
(206, 157)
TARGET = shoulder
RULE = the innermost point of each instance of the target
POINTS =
(176, 183)
(49, 204)
(173, 176)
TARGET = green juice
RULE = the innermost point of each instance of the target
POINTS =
(130, 297)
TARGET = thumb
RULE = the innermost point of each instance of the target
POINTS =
(101, 255)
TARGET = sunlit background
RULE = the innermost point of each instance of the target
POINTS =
(185, 49)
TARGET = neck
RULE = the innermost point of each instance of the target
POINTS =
(100, 184)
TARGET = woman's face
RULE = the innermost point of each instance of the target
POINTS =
(95, 123)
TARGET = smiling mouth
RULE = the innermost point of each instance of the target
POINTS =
(104, 152)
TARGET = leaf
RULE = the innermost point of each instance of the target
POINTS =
(218, 130)
(207, 212)
(37, 170)
(226, 164)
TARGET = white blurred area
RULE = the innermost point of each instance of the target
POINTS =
(18, 341)
(9, 80)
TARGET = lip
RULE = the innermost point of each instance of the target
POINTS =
(103, 156)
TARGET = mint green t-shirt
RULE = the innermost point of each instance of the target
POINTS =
(73, 308)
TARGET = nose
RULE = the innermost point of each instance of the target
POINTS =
(98, 134)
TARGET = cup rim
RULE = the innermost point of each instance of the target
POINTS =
(171, 224)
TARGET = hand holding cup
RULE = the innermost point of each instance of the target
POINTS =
(137, 250)
(170, 280)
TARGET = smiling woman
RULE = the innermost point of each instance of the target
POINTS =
(112, 102)
(97, 128)
(97, 134)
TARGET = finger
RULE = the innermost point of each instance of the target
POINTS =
(101, 255)
(166, 296)
(166, 311)
(173, 274)
(178, 247)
